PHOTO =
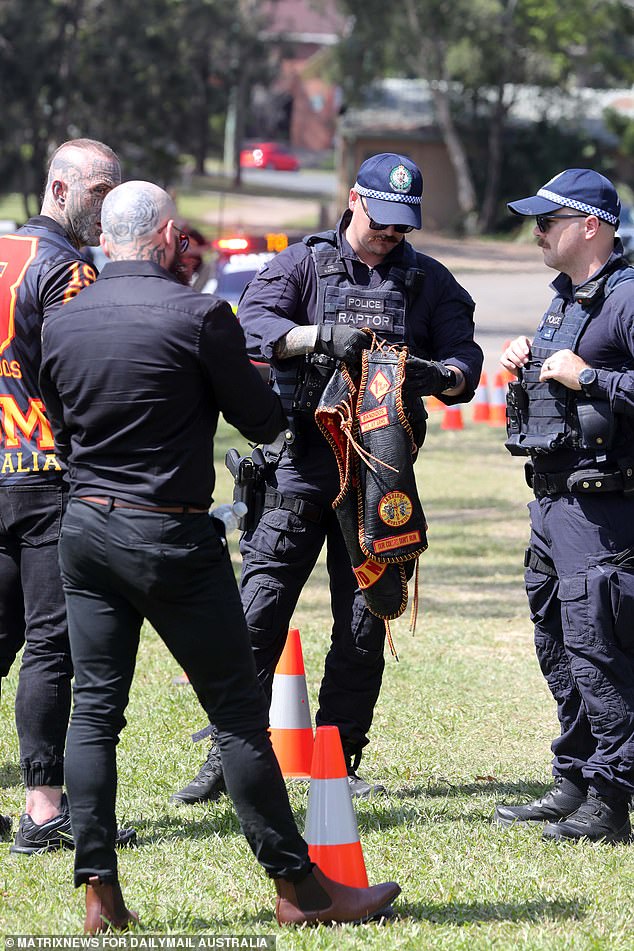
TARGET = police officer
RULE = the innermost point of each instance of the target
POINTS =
(572, 412)
(136, 427)
(306, 309)
(41, 270)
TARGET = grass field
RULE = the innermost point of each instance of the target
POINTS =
(464, 720)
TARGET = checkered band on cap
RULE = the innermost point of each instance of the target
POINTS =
(579, 205)
(387, 196)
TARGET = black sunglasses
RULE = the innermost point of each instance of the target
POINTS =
(183, 239)
(375, 226)
(544, 222)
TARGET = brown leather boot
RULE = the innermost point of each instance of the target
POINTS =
(105, 908)
(318, 898)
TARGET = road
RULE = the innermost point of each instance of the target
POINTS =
(507, 280)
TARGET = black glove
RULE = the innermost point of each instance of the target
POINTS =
(342, 343)
(427, 377)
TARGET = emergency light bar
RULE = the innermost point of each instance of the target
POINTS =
(239, 245)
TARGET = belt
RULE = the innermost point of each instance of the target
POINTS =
(291, 503)
(120, 504)
(581, 481)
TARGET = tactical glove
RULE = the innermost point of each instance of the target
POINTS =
(342, 343)
(427, 377)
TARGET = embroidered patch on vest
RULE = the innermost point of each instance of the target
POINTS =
(395, 509)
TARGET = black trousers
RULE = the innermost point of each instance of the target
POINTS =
(277, 560)
(583, 613)
(120, 566)
(32, 609)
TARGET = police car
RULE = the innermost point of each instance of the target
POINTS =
(239, 260)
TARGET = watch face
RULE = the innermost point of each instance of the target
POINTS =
(587, 376)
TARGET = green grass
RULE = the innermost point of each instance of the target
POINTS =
(464, 721)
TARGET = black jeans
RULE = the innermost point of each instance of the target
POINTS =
(32, 609)
(120, 566)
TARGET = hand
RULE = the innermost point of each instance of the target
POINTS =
(427, 377)
(516, 354)
(342, 343)
(565, 367)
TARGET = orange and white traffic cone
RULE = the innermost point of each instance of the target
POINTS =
(331, 825)
(291, 727)
(497, 410)
(452, 418)
(432, 403)
(481, 411)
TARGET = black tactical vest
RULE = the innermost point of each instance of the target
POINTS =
(543, 417)
(339, 301)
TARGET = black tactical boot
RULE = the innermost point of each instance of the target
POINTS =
(596, 819)
(208, 785)
(359, 787)
(556, 804)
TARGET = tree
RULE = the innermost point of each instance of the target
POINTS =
(472, 54)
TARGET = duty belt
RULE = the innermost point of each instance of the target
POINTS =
(292, 503)
(582, 481)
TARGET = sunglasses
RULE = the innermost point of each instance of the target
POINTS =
(182, 238)
(544, 222)
(375, 226)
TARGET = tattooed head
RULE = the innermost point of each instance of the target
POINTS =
(138, 225)
(80, 175)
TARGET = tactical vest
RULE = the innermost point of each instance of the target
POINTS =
(545, 416)
(339, 301)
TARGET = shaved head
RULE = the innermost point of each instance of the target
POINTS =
(81, 172)
(134, 219)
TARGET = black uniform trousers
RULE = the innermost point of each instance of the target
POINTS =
(120, 566)
(277, 560)
(582, 606)
(32, 609)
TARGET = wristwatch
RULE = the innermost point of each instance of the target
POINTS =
(586, 379)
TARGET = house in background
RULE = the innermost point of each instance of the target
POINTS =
(304, 105)
(398, 116)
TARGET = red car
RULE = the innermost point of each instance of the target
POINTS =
(268, 155)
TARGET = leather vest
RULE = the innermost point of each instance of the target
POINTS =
(544, 416)
(339, 301)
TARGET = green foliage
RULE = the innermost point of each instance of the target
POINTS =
(151, 80)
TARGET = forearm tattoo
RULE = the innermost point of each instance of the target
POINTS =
(296, 343)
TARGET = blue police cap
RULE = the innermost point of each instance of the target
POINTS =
(392, 186)
(579, 188)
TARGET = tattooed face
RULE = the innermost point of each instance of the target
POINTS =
(87, 184)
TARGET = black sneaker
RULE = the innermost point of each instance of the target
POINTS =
(31, 839)
(596, 820)
(560, 801)
(208, 785)
(5, 826)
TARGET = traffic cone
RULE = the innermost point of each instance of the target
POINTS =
(497, 411)
(331, 825)
(432, 403)
(291, 727)
(481, 411)
(452, 418)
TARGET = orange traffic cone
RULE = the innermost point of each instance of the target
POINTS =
(481, 410)
(291, 727)
(497, 412)
(452, 418)
(331, 825)
(432, 402)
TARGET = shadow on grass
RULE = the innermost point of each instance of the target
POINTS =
(487, 788)
(10, 775)
(462, 913)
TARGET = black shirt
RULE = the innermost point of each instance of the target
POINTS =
(134, 377)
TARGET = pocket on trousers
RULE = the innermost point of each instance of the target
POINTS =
(574, 608)
(277, 536)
